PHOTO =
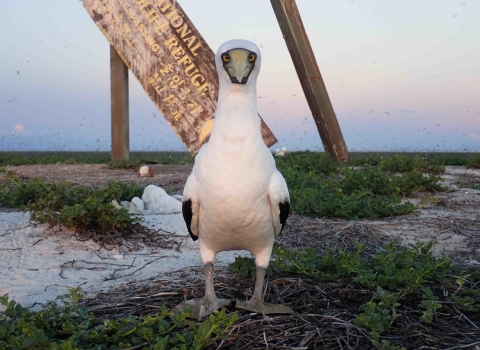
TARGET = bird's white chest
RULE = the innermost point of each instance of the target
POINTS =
(234, 206)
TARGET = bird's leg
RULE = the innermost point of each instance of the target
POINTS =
(209, 290)
(256, 303)
(209, 303)
(259, 281)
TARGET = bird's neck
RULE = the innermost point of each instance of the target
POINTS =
(236, 116)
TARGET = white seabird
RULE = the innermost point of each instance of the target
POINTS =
(235, 198)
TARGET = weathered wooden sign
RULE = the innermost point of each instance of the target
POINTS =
(171, 60)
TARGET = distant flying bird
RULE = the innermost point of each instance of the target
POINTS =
(235, 198)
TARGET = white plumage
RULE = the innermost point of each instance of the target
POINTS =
(238, 199)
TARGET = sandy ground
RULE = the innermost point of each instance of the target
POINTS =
(38, 264)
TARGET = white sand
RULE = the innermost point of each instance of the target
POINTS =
(31, 259)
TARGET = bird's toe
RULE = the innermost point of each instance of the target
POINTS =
(261, 307)
(201, 308)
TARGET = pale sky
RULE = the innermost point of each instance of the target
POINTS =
(402, 75)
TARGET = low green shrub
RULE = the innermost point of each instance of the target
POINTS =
(474, 162)
(307, 161)
(403, 163)
(245, 267)
(69, 326)
(392, 277)
(75, 207)
(339, 191)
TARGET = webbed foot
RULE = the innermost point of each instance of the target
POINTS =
(202, 307)
(261, 307)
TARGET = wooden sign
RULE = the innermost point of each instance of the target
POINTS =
(170, 59)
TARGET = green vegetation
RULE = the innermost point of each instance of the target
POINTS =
(136, 158)
(474, 162)
(472, 185)
(408, 278)
(319, 186)
(70, 326)
(396, 280)
(123, 164)
(245, 267)
(396, 284)
(76, 207)
(433, 158)
(183, 158)
(398, 288)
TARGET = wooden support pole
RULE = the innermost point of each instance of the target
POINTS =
(119, 109)
(308, 72)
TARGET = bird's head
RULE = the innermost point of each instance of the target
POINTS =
(238, 61)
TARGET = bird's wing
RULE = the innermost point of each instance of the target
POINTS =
(190, 206)
(279, 201)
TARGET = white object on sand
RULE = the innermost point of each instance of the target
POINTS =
(138, 203)
(131, 207)
(145, 171)
(280, 152)
(158, 201)
(116, 205)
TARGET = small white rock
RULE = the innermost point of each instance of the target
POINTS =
(131, 207)
(158, 201)
(116, 205)
(178, 196)
(144, 171)
(138, 203)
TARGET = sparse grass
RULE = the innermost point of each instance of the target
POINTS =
(475, 186)
(432, 158)
(183, 158)
(123, 164)
(30, 158)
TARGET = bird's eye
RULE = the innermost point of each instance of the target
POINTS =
(225, 58)
(251, 58)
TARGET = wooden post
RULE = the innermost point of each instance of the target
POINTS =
(119, 109)
(309, 74)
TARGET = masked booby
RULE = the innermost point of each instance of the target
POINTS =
(235, 198)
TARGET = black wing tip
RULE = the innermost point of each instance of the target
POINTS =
(187, 216)
(284, 211)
